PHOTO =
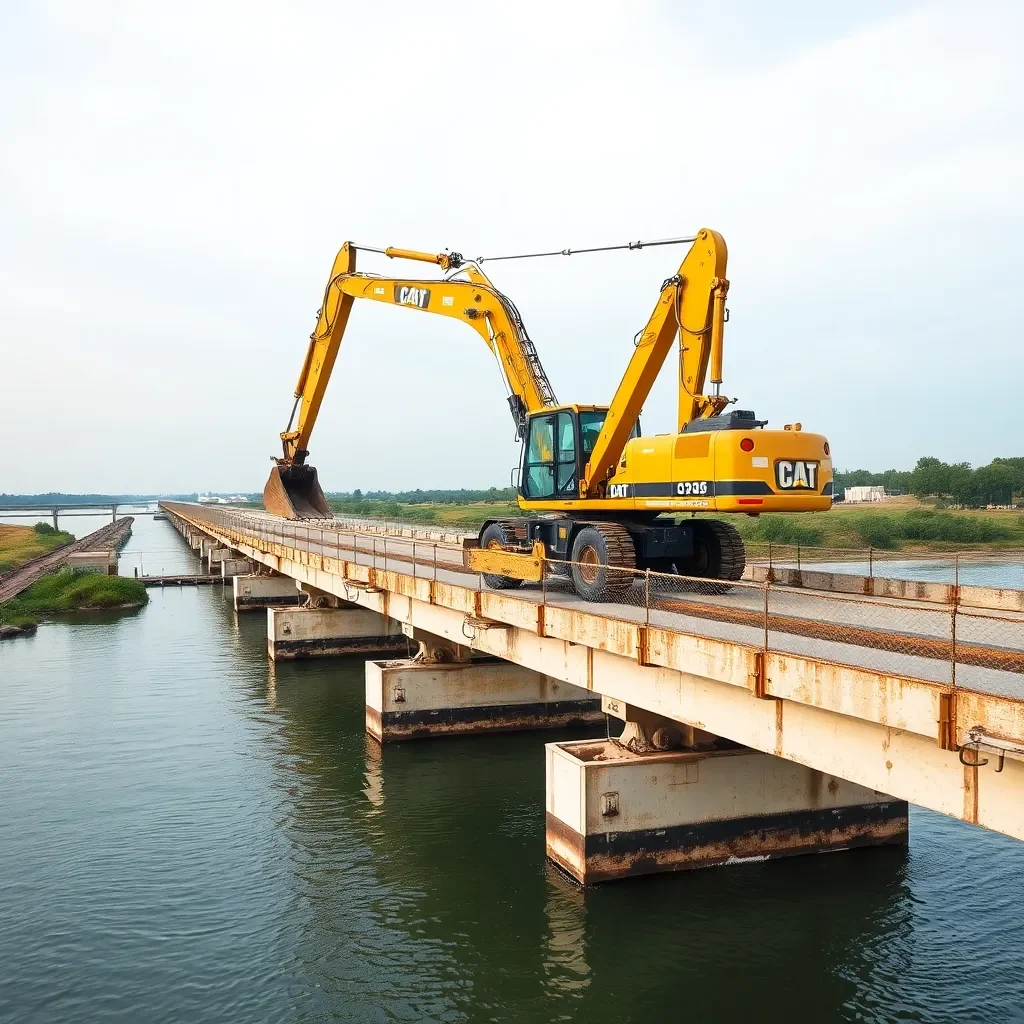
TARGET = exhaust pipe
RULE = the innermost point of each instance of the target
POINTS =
(293, 492)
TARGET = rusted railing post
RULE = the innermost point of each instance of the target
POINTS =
(767, 586)
(871, 562)
(770, 565)
(414, 559)
(955, 602)
(647, 594)
(798, 558)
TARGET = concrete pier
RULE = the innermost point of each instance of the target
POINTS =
(215, 556)
(415, 699)
(236, 567)
(325, 632)
(614, 814)
(254, 593)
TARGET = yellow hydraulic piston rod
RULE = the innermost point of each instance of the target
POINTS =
(445, 260)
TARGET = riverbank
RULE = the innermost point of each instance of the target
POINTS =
(69, 590)
(109, 537)
(20, 544)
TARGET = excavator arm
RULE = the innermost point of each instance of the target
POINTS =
(692, 308)
(293, 490)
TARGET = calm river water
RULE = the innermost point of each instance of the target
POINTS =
(190, 833)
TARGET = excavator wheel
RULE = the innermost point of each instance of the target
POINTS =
(494, 536)
(718, 551)
(597, 551)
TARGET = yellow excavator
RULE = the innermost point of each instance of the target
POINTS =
(596, 494)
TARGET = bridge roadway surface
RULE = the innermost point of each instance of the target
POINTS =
(903, 637)
(859, 687)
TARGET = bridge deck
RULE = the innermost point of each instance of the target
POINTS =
(879, 691)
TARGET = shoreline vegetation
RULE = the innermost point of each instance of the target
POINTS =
(20, 544)
(67, 591)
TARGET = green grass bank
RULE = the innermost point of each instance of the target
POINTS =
(71, 590)
(20, 544)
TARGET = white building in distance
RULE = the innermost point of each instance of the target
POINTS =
(852, 495)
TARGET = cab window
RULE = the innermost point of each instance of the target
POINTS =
(591, 424)
(566, 454)
(539, 467)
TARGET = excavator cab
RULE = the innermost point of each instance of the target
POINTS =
(557, 448)
(294, 492)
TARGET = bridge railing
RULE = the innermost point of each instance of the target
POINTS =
(995, 567)
(941, 642)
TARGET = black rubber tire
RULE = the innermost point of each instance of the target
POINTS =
(494, 535)
(603, 547)
(718, 551)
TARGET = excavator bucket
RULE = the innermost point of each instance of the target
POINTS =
(294, 493)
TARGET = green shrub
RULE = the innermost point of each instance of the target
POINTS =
(44, 528)
(879, 531)
(782, 529)
(922, 524)
(927, 524)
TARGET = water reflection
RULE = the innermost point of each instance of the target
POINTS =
(566, 971)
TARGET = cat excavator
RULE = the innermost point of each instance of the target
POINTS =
(596, 495)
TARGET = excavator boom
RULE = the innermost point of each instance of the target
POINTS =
(293, 490)
(692, 308)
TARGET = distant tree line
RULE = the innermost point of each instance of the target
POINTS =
(460, 496)
(391, 503)
(998, 483)
(56, 497)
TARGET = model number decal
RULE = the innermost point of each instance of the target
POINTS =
(687, 487)
(796, 475)
(405, 295)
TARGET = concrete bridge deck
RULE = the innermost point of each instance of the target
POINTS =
(884, 693)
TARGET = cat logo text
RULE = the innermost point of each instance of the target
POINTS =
(796, 475)
(409, 296)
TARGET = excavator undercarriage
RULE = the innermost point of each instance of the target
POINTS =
(601, 556)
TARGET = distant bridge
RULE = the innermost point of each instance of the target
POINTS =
(70, 508)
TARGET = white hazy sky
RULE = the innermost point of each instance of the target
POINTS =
(176, 179)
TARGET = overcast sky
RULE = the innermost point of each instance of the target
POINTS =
(176, 179)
